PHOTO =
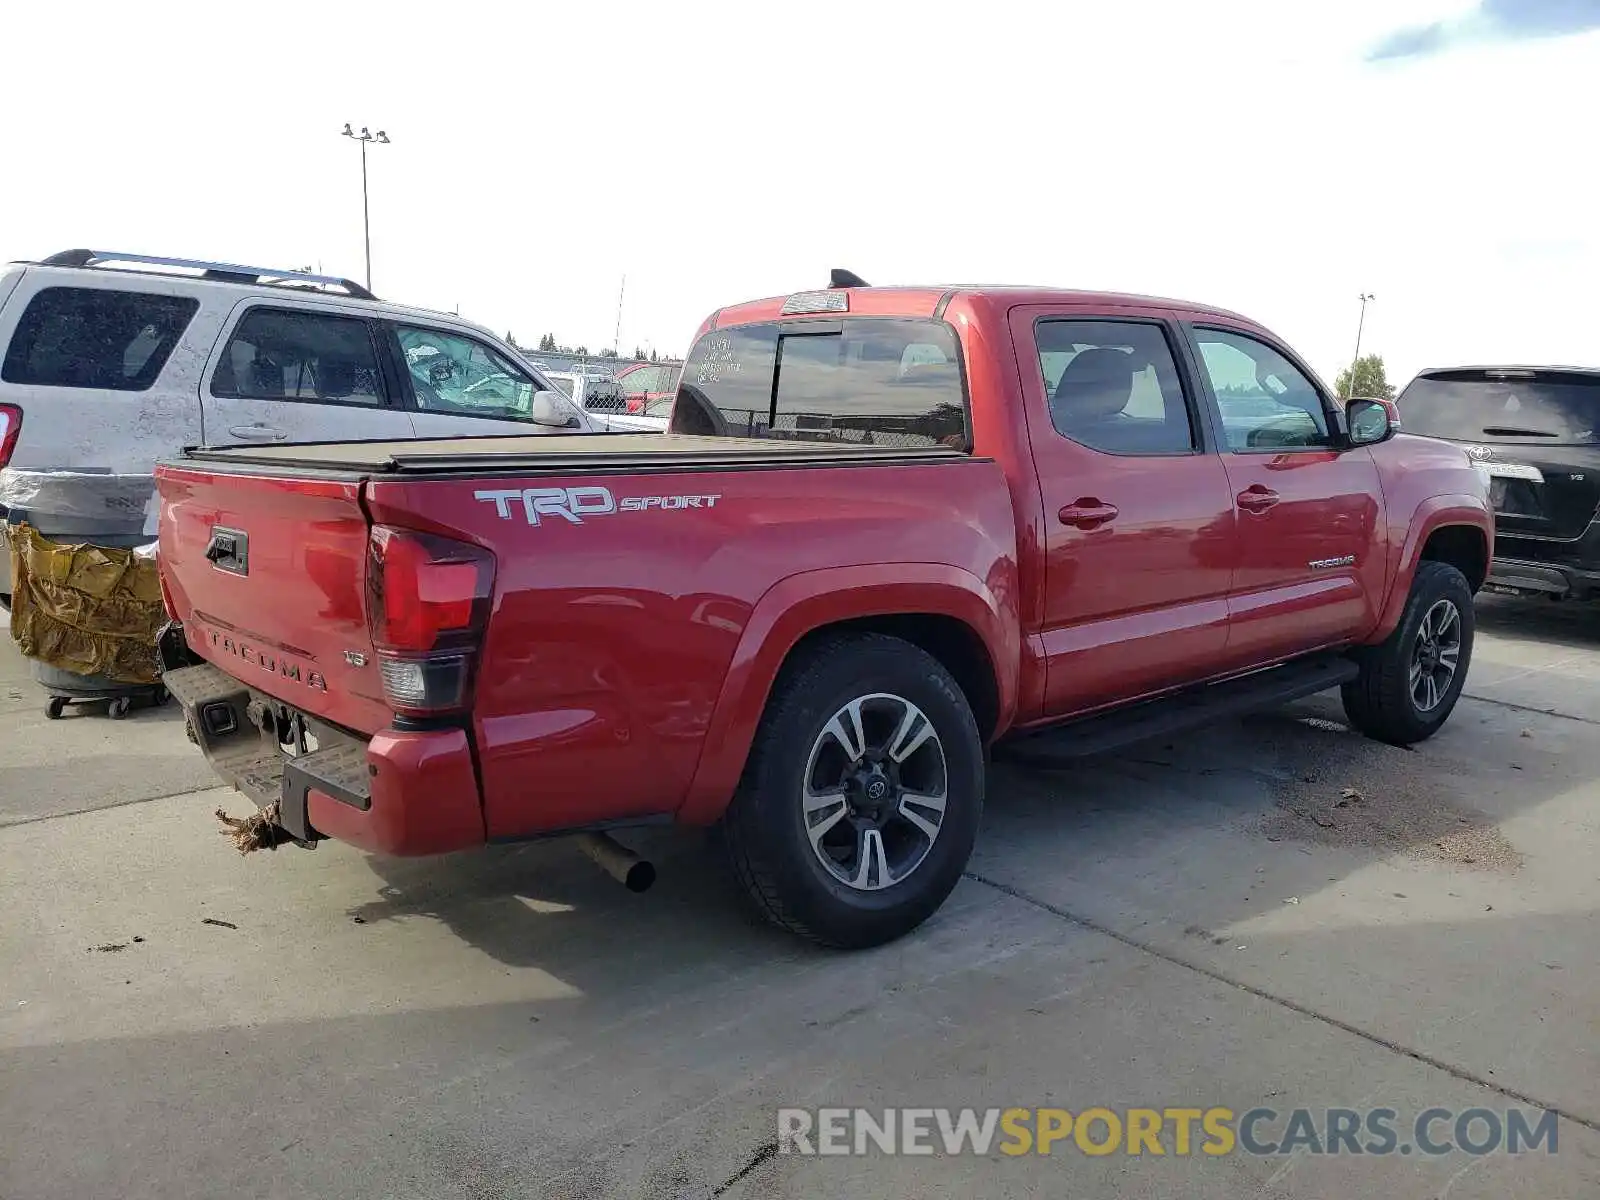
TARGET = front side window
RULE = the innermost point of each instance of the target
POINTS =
(1113, 386)
(279, 354)
(93, 338)
(451, 373)
(1266, 402)
(862, 381)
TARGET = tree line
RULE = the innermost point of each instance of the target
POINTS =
(548, 344)
(1364, 377)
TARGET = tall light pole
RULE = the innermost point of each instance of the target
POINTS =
(364, 137)
(1360, 325)
(616, 338)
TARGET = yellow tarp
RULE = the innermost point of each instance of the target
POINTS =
(87, 609)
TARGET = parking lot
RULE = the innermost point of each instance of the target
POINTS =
(1276, 913)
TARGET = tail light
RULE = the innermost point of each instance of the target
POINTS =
(635, 404)
(10, 431)
(428, 604)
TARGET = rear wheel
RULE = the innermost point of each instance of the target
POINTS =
(1410, 683)
(860, 803)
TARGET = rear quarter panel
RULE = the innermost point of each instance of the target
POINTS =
(628, 656)
(1427, 485)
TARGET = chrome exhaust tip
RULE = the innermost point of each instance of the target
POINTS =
(616, 860)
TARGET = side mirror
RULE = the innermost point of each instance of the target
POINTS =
(1370, 421)
(551, 408)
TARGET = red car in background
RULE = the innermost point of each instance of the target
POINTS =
(644, 382)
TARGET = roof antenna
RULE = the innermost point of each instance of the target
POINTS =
(846, 279)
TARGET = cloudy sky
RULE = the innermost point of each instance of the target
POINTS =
(1278, 158)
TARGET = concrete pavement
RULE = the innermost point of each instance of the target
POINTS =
(1275, 912)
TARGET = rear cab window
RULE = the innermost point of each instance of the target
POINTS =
(100, 338)
(861, 380)
(1527, 406)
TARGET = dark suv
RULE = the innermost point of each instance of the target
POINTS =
(1536, 431)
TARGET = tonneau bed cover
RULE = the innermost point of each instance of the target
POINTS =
(558, 453)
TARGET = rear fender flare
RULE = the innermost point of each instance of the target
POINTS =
(802, 604)
(1433, 514)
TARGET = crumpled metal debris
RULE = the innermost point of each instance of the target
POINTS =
(87, 609)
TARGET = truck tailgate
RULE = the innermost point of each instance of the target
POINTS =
(268, 576)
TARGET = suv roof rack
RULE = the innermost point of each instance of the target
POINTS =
(224, 272)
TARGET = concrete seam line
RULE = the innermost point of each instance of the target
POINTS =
(1528, 708)
(767, 1150)
(1295, 1006)
(83, 812)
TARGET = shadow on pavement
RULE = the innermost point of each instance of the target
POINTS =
(1557, 623)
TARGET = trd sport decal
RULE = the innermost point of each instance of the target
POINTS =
(575, 504)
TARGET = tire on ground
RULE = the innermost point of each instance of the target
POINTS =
(765, 829)
(1379, 701)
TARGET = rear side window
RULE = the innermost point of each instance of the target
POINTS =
(92, 338)
(275, 354)
(1113, 386)
(1550, 407)
(863, 381)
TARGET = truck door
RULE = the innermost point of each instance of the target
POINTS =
(1310, 572)
(1139, 519)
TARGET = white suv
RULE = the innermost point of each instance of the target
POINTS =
(110, 362)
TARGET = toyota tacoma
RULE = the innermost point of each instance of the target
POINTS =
(888, 529)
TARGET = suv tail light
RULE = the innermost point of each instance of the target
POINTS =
(428, 604)
(10, 431)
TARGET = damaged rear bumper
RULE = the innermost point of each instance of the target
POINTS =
(401, 792)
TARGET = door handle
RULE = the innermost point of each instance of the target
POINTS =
(1087, 513)
(257, 433)
(1256, 498)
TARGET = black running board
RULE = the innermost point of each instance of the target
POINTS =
(1062, 744)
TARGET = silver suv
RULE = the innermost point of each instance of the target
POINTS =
(110, 362)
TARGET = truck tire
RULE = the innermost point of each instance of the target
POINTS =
(860, 802)
(1410, 683)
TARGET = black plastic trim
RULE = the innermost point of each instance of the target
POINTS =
(647, 820)
(297, 786)
(1186, 709)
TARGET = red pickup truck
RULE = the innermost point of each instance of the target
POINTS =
(889, 528)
